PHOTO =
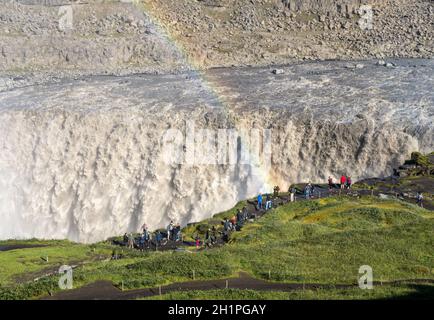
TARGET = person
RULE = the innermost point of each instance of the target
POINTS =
(126, 239)
(239, 225)
(348, 182)
(175, 232)
(292, 192)
(226, 236)
(149, 238)
(142, 242)
(169, 230)
(197, 239)
(209, 238)
(144, 227)
(245, 213)
(233, 222)
(213, 235)
(307, 191)
(330, 183)
(260, 201)
(130, 241)
(230, 226)
(226, 224)
(239, 216)
(276, 191)
(115, 255)
(268, 202)
(158, 238)
(419, 199)
(343, 180)
(146, 235)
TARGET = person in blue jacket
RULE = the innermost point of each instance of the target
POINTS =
(260, 201)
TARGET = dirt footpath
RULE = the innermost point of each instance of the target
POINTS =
(105, 290)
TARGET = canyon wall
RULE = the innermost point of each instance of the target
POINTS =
(91, 158)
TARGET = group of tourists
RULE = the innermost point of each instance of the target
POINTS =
(157, 238)
(211, 238)
(174, 232)
(292, 191)
(309, 191)
(345, 182)
(129, 240)
(236, 222)
(141, 242)
(267, 204)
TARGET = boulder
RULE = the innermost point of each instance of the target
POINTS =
(278, 71)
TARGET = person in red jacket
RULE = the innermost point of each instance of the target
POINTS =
(343, 180)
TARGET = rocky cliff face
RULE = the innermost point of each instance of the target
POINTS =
(105, 36)
(150, 36)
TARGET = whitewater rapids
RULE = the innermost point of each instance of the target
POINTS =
(86, 159)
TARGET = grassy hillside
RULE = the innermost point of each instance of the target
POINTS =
(321, 241)
(26, 264)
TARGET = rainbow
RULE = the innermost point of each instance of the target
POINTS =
(208, 85)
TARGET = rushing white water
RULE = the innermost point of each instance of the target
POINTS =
(86, 159)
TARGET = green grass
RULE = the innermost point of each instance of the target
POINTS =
(321, 241)
(200, 228)
(153, 269)
(421, 160)
(395, 241)
(423, 291)
(26, 264)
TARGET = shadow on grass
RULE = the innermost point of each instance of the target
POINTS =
(421, 292)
